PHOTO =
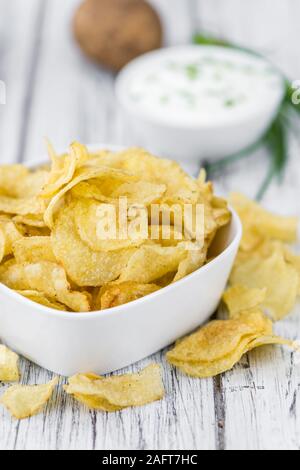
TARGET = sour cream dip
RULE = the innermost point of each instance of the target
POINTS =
(199, 88)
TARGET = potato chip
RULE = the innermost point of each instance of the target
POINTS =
(113, 295)
(195, 258)
(151, 262)
(221, 213)
(9, 371)
(218, 346)
(202, 177)
(201, 370)
(293, 260)
(239, 298)
(2, 244)
(33, 250)
(273, 273)
(165, 236)
(18, 182)
(23, 401)
(260, 224)
(217, 213)
(268, 248)
(84, 266)
(41, 299)
(87, 218)
(136, 192)
(21, 206)
(141, 192)
(30, 231)
(63, 167)
(30, 186)
(49, 279)
(180, 186)
(219, 338)
(9, 234)
(30, 220)
(270, 341)
(205, 370)
(82, 175)
(117, 392)
(11, 176)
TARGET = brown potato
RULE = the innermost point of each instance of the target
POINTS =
(113, 32)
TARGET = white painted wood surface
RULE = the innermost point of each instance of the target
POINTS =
(53, 90)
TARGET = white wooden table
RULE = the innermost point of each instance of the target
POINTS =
(53, 91)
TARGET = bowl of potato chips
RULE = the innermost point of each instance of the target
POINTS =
(107, 256)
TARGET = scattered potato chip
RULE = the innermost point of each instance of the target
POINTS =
(273, 273)
(117, 392)
(33, 250)
(9, 371)
(293, 260)
(272, 340)
(113, 295)
(268, 248)
(218, 346)
(23, 401)
(260, 224)
(220, 337)
(239, 298)
(47, 278)
(213, 368)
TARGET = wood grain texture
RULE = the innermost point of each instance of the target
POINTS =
(54, 91)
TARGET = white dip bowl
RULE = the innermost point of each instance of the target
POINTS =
(198, 102)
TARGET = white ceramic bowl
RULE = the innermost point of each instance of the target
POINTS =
(101, 342)
(191, 141)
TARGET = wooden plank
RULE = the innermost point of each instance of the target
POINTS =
(17, 37)
(177, 19)
(262, 398)
(18, 23)
(74, 99)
